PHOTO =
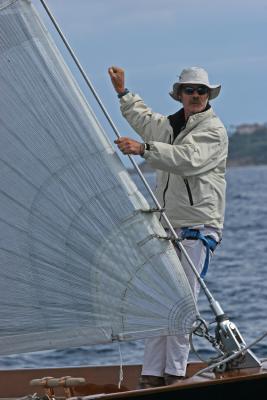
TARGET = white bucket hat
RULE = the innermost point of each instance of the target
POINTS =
(194, 75)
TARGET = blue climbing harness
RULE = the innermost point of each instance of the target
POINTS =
(209, 242)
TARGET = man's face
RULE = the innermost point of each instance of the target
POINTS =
(194, 98)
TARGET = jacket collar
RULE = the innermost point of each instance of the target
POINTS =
(178, 122)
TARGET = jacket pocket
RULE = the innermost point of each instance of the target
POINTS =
(190, 197)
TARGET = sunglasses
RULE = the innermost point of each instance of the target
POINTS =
(199, 89)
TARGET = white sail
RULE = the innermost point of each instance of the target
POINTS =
(80, 263)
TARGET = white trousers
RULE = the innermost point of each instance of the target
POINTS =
(169, 354)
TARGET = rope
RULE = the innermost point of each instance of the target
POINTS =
(121, 366)
(203, 330)
(209, 360)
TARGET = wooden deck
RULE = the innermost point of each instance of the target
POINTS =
(102, 382)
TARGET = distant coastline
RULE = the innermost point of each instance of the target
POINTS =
(247, 146)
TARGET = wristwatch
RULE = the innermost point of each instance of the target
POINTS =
(123, 93)
(146, 146)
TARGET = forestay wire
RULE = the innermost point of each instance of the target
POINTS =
(109, 119)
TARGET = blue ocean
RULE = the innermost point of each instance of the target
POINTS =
(237, 278)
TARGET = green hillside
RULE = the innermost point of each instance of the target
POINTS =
(248, 145)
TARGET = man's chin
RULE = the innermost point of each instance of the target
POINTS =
(195, 108)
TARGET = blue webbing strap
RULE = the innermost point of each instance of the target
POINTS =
(208, 242)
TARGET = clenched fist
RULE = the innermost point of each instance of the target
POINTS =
(117, 78)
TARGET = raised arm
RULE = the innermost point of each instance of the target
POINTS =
(117, 77)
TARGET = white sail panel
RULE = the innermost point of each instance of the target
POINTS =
(80, 262)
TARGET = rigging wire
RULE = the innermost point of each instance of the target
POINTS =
(215, 306)
(202, 330)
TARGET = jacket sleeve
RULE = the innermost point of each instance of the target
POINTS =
(201, 152)
(148, 124)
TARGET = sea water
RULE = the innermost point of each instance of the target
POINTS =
(237, 278)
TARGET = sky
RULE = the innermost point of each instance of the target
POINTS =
(153, 40)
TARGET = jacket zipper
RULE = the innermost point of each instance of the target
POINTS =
(165, 190)
(185, 180)
(167, 184)
(189, 192)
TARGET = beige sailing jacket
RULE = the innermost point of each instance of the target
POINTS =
(191, 169)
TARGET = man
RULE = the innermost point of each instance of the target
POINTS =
(189, 150)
